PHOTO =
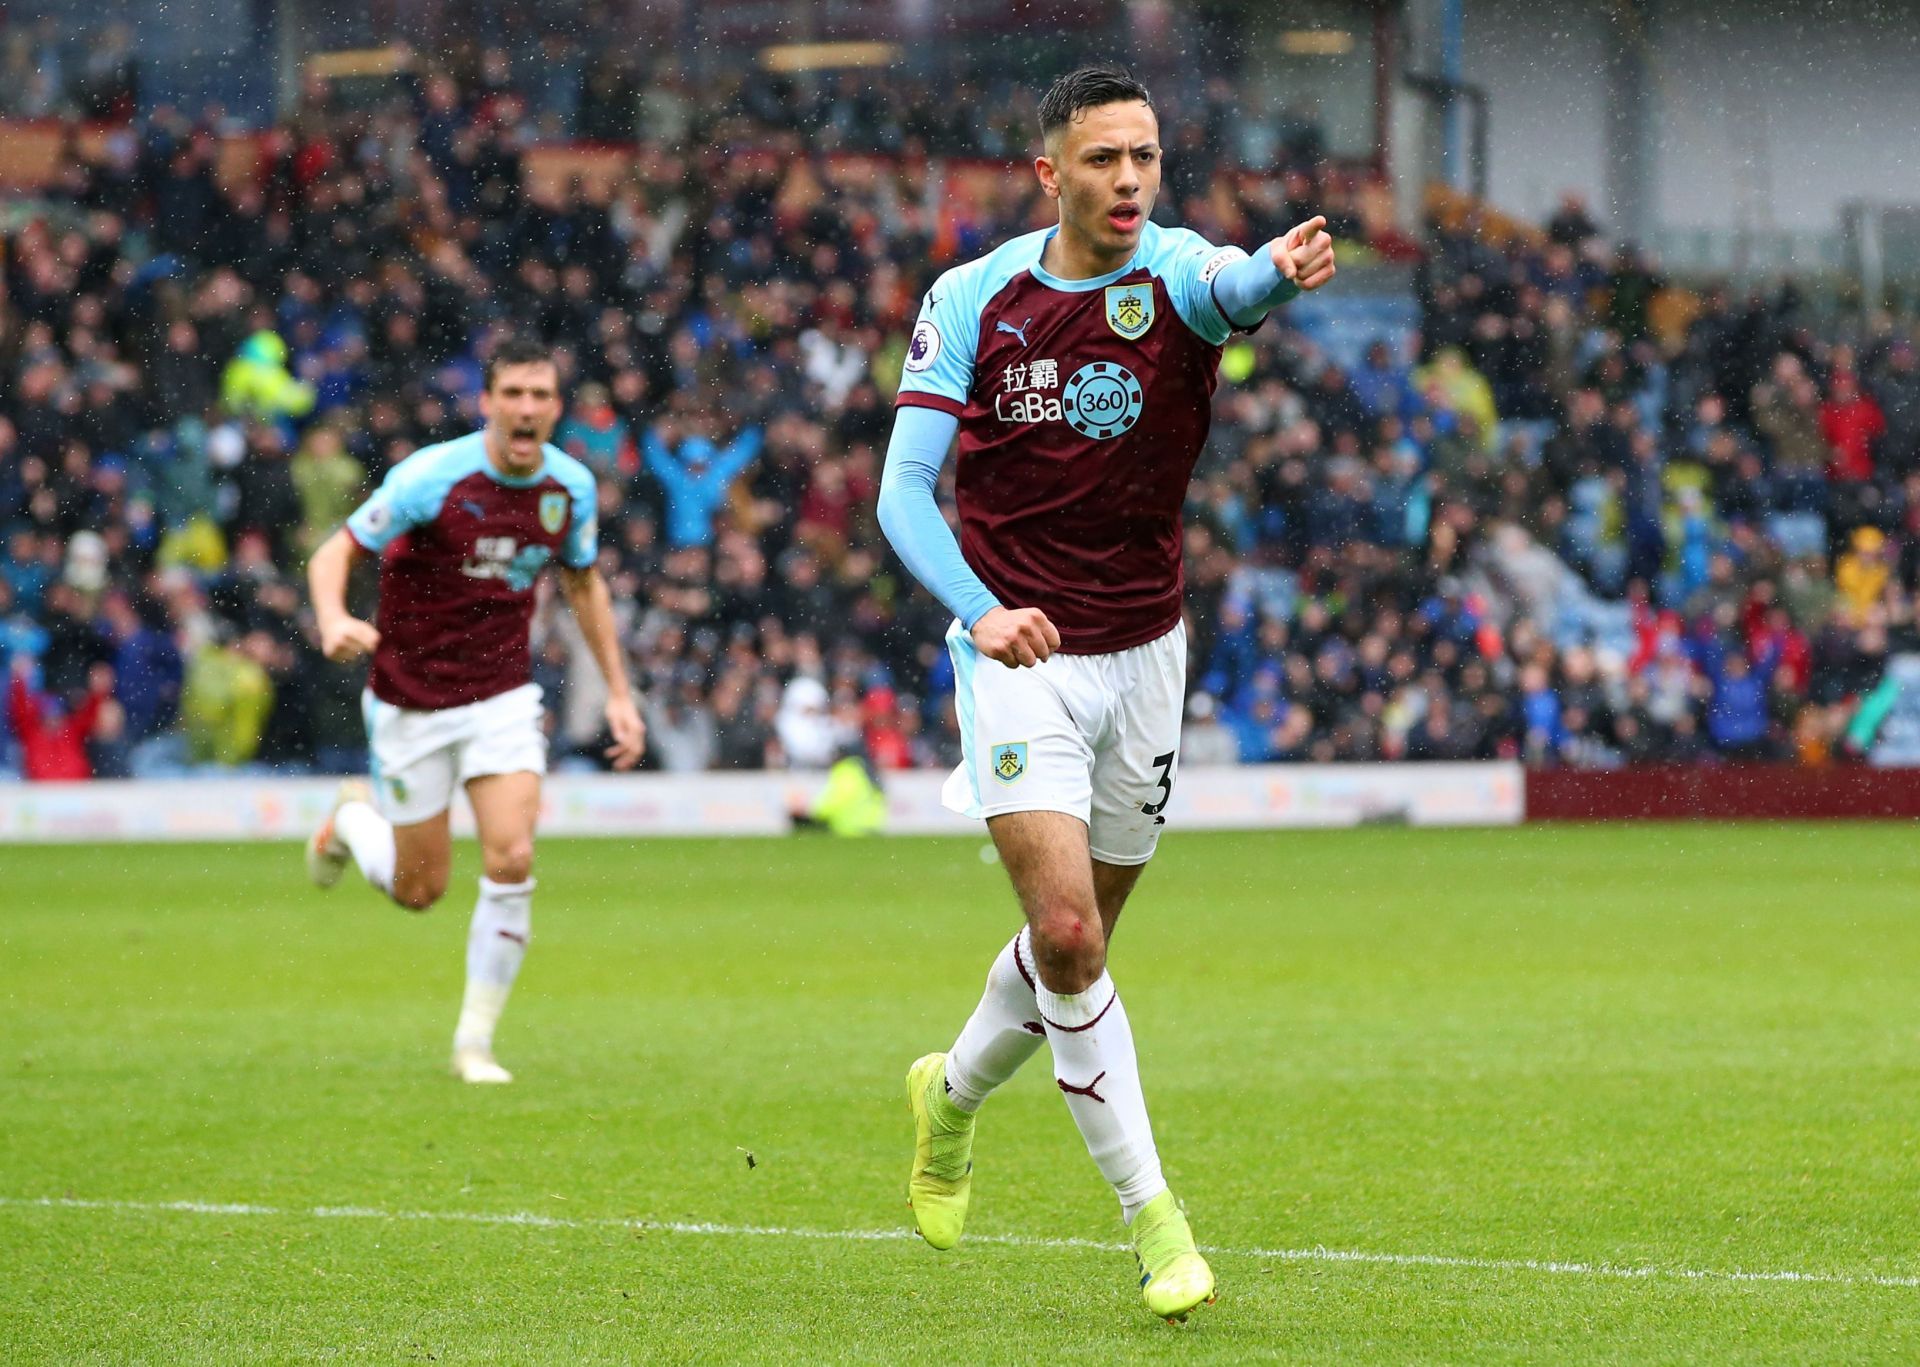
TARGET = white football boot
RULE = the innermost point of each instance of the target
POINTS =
(477, 1065)
(327, 854)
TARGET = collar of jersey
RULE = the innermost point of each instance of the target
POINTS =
(498, 476)
(1054, 282)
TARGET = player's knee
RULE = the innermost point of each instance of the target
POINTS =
(419, 892)
(510, 861)
(1070, 945)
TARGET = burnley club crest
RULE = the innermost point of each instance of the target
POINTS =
(1010, 761)
(1130, 309)
(553, 512)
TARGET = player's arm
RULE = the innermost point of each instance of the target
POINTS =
(592, 603)
(408, 497)
(934, 384)
(343, 636)
(910, 517)
(1248, 289)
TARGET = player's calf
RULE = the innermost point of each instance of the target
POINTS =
(497, 940)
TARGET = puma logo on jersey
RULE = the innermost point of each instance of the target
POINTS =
(1002, 325)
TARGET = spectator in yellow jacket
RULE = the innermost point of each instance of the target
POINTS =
(257, 383)
(1862, 573)
(329, 481)
(1449, 381)
(225, 700)
(851, 803)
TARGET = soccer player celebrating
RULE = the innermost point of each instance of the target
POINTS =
(463, 530)
(1077, 365)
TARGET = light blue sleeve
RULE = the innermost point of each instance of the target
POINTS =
(583, 538)
(582, 546)
(409, 497)
(1187, 264)
(1250, 288)
(910, 513)
(1217, 289)
(939, 368)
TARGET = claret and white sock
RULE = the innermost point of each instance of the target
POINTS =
(1003, 1031)
(1098, 1072)
(368, 837)
(496, 943)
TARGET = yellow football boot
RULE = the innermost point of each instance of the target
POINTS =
(942, 1177)
(1174, 1278)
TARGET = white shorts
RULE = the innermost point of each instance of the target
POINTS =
(1094, 736)
(419, 757)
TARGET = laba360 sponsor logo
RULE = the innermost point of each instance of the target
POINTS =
(1101, 399)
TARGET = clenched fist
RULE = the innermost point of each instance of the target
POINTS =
(1016, 637)
(348, 638)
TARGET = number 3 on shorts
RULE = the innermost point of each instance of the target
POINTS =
(1165, 786)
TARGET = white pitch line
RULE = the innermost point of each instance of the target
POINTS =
(1289, 1255)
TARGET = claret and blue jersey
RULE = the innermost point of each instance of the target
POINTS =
(460, 546)
(1083, 407)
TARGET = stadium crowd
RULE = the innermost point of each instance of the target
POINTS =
(1557, 522)
(48, 70)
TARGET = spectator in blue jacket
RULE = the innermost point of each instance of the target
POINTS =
(1540, 715)
(1737, 714)
(696, 473)
(1236, 650)
(1255, 715)
(147, 664)
(1383, 386)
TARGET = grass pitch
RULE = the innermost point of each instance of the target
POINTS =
(1546, 1087)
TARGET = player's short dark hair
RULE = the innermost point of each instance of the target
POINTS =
(515, 351)
(1087, 88)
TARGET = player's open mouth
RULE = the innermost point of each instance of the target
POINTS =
(1125, 217)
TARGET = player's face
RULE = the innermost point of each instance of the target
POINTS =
(1104, 168)
(522, 407)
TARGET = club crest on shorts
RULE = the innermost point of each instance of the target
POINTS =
(1010, 761)
(1130, 309)
(553, 511)
(398, 787)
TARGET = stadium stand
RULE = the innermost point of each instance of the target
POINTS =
(1520, 499)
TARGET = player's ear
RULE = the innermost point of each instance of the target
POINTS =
(1049, 177)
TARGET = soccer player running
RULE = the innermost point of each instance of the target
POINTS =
(463, 530)
(1077, 365)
